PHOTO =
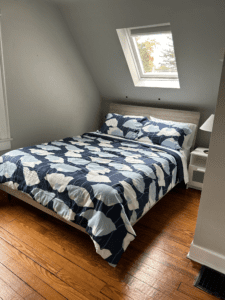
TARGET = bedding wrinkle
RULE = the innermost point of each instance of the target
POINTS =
(101, 182)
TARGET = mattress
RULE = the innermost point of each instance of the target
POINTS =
(100, 182)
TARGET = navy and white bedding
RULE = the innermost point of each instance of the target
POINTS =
(174, 135)
(123, 126)
(98, 181)
(164, 134)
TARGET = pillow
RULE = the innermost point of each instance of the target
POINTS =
(165, 134)
(123, 126)
(188, 140)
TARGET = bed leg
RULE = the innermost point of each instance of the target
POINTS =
(9, 197)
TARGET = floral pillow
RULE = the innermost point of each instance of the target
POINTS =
(123, 126)
(188, 140)
(169, 135)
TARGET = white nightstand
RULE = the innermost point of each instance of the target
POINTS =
(197, 168)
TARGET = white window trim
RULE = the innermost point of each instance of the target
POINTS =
(139, 79)
(5, 141)
(135, 51)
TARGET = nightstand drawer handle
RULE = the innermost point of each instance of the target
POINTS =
(201, 169)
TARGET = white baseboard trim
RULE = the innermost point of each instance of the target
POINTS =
(207, 258)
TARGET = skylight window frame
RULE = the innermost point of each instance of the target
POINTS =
(139, 79)
(136, 56)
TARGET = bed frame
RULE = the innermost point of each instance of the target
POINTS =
(161, 113)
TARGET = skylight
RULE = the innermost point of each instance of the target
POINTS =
(150, 55)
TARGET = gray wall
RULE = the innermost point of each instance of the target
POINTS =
(199, 32)
(210, 228)
(51, 94)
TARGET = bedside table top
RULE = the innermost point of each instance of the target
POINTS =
(199, 151)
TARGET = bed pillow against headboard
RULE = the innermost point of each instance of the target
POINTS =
(188, 139)
(168, 134)
(174, 115)
(123, 126)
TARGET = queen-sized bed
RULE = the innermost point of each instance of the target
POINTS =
(100, 183)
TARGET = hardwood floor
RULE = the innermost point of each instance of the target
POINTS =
(43, 258)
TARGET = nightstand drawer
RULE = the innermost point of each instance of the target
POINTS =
(196, 176)
(197, 168)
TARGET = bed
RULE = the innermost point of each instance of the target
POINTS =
(100, 182)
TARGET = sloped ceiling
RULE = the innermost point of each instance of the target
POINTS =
(198, 28)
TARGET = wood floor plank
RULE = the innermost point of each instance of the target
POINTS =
(7, 293)
(194, 266)
(126, 293)
(161, 284)
(114, 294)
(3, 257)
(160, 256)
(157, 233)
(3, 220)
(162, 264)
(29, 251)
(145, 288)
(40, 272)
(74, 255)
(6, 218)
(190, 195)
(194, 292)
(176, 232)
(162, 273)
(63, 274)
(155, 293)
(85, 288)
(33, 281)
(171, 217)
(180, 207)
(14, 282)
(148, 249)
(164, 244)
(16, 225)
(15, 228)
(57, 261)
(34, 296)
(78, 279)
(10, 210)
(80, 275)
(181, 295)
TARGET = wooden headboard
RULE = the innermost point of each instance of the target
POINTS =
(161, 113)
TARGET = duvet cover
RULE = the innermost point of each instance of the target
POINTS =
(98, 181)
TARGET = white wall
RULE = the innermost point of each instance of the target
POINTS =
(51, 94)
(208, 246)
(198, 30)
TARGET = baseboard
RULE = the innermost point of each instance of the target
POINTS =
(207, 258)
